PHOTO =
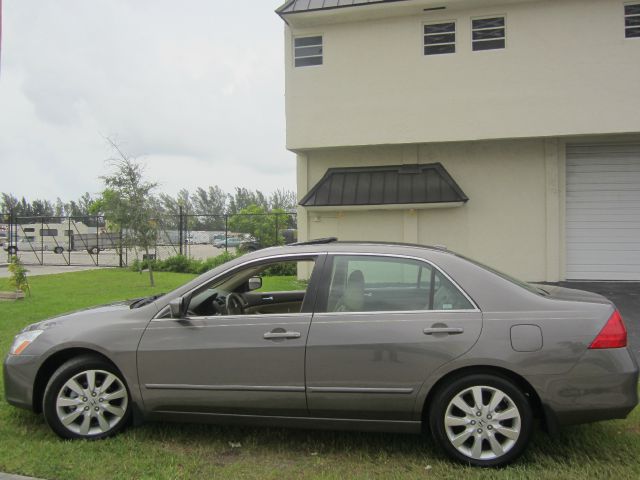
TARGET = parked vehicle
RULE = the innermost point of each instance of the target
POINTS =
(232, 241)
(382, 337)
(60, 237)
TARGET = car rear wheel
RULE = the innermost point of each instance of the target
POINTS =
(58, 250)
(86, 398)
(482, 420)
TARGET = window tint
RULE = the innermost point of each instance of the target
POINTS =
(372, 283)
(307, 51)
(439, 38)
(488, 33)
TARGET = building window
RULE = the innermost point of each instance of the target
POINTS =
(440, 38)
(488, 33)
(307, 51)
(48, 232)
(632, 20)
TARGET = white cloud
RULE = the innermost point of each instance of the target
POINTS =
(195, 87)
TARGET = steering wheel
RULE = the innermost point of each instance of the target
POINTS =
(234, 304)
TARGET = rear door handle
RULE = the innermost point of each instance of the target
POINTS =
(445, 330)
(278, 335)
(268, 298)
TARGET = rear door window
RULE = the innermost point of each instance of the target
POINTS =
(369, 283)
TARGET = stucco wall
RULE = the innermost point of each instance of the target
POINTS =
(511, 220)
(567, 70)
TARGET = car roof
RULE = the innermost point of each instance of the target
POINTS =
(334, 245)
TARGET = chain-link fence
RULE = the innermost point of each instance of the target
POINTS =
(95, 241)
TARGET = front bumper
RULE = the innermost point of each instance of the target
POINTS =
(603, 385)
(19, 373)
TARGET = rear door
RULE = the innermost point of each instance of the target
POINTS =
(382, 325)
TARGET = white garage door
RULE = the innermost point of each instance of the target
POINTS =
(603, 212)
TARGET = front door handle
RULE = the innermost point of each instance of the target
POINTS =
(445, 330)
(268, 298)
(278, 335)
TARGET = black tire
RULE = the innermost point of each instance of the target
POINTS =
(58, 250)
(56, 387)
(93, 250)
(12, 250)
(489, 426)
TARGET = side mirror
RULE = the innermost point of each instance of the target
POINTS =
(176, 306)
(255, 283)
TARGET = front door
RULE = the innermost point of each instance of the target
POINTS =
(236, 351)
(387, 323)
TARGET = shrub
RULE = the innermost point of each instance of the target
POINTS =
(18, 277)
(177, 264)
(183, 264)
(287, 269)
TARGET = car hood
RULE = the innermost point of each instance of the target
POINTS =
(62, 318)
(571, 294)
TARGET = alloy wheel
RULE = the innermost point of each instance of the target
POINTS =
(92, 402)
(482, 422)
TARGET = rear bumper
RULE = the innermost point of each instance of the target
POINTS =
(602, 386)
(19, 376)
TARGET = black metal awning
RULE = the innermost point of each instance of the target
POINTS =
(298, 6)
(388, 185)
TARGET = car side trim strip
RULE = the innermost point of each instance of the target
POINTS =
(229, 388)
(277, 388)
(401, 391)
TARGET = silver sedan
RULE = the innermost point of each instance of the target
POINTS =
(381, 337)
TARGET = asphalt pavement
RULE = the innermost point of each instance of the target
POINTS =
(9, 476)
(33, 270)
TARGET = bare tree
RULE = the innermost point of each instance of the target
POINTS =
(128, 202)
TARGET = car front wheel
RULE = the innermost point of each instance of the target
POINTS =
(482, 420)
(86, 398)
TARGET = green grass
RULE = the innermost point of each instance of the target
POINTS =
(167, 451)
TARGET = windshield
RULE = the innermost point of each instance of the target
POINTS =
(509, 278)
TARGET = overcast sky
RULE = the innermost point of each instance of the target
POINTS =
(195, 87)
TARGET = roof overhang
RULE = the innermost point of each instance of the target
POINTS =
(301, 16)
(388, 187)
(396, 206)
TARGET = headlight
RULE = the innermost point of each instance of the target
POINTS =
(23, 340)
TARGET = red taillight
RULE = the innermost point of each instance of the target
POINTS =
(613, 335)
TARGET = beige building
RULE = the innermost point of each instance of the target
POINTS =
(508, 131)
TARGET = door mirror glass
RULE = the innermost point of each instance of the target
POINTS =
(176, 307)
(255, 283)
